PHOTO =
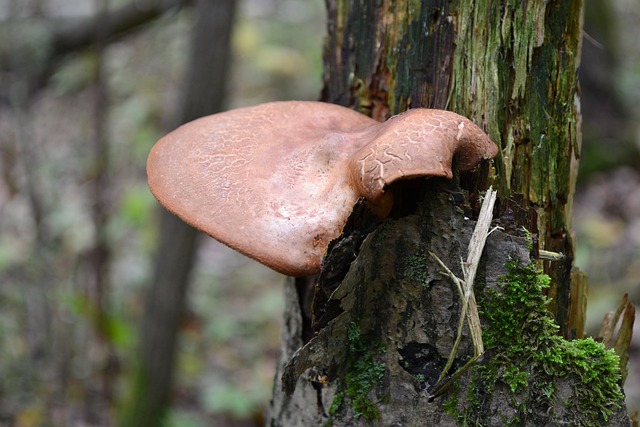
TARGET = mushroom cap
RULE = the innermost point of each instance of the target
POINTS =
(417, 143)
(278, 181)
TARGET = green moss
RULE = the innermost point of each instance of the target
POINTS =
(336, 404)
(380, 236)
(363, 374)
(515, 378)
(451, 405)
(415, 267)
(529, 238)
(529, 357)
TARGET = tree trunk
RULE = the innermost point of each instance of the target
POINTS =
(166, 299)
(385, 318)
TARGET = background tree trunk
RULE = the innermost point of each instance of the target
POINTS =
(381, 339)
(166, 299)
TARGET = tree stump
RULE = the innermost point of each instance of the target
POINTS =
(380, 340)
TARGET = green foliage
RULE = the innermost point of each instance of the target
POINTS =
(74, 76)
(136, 205)
(527, 354)
(230, 399)
(180, 418)
(117, 329)
(529, 238)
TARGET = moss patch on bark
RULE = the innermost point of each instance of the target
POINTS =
(526, 354)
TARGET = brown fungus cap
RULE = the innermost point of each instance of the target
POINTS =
(277, 181)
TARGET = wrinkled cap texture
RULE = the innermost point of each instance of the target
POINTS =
(278, 181)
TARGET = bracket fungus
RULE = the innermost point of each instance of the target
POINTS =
(277, 181)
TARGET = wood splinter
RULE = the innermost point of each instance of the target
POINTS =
(469, 309)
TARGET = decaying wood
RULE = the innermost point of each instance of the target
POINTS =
(616, 331)
(407, 311)
(490, 62)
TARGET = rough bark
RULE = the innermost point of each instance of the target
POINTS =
(511, 67)
(166, 299)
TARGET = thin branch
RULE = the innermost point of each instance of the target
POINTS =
(31, 49)
(115, 24)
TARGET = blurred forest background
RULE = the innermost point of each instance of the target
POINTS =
(80, 234)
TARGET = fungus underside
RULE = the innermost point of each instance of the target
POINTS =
(525, 353)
